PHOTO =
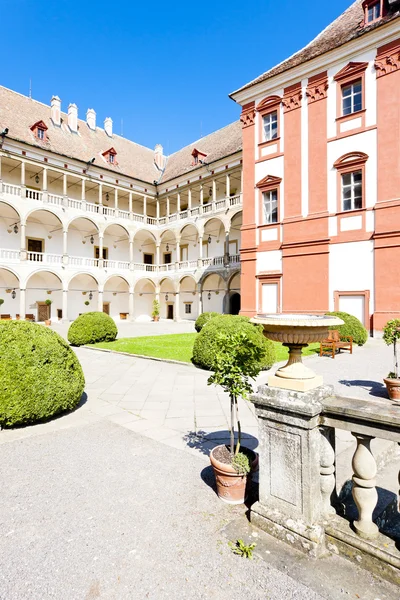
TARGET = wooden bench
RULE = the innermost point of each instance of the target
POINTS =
(5, 317)
(334, 342)
(29, 317)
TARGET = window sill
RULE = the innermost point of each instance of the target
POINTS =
(354, 115)
(269, 142)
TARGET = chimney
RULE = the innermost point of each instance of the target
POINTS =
(91, 119)
(158, 157)
(73, 117)
(108, 126)
(56, 110)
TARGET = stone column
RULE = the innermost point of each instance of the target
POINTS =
(200, 297)
(178, 251)
(65, 306)
(214, 191)
(116, 201)
(158, 208)
(22, 304)
(83, 192)
(65, 247)
(65, 189)
(177, 307)
(200, 259)
(228, 185)
(44, 187)
(130, 206)
(226, 253)
(101, 262)
(23, 253)
(178, 203)
(100, 300)
(131, 304)
(167, 206)
(189, 199)
(201, 195)
(131, 252)
(22, 174)
(145, 206)
(157, 255)
(100, 194)
(289, 506)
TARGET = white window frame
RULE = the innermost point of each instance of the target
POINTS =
(270, 198)
(372, 8)
(111, 158)
(188, 305)
(352, 95)
(353, 185)
(40, 133)
(270, 126)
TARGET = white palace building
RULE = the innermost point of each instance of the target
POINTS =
(93, 221)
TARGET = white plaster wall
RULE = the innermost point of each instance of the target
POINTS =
(351, 268)
(270, 260)
(362, 142)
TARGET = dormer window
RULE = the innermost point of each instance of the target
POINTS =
(373, 10)
(198, 157)
(110, 156)
(39, 130)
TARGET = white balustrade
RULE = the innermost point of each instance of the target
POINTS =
(93, 208)
(109, 264)
(151, 221)
(123, 264)
(109, 212)
(83, 261)
(161, 220)
(183, 214)
(235, 200)
(74, 203)
(207, 208)
(123, 214)
(13, 190)
(9, 255)
(195, 211)
(44, 257)
(234, 259)
(33, 194)
(220, 204)
(54, 199)
(138, 218)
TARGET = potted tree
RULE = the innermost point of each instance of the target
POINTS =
(48, 302)
(156, 310)
(391, 333)
(237, 361)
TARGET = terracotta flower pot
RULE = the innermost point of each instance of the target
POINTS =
(47, 322)
(232, 487)
(393, 388)
(156, 318)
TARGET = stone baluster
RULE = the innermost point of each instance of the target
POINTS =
(364, 490)
(327, 470)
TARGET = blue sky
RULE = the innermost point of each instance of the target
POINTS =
(164, 68)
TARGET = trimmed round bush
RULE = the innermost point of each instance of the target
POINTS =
(40, 375)
(352, 326)
(92, 327)
(206, 344)
(203, 319)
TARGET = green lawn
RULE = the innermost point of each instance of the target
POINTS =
(176, 346)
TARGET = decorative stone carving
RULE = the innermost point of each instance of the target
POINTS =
(248, 116)
(317, 91)
(327, 470)
(364, 490)
(292, 100)
(388, 64)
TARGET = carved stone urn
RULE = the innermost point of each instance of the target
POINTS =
(296, 332)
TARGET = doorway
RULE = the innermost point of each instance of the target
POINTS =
(170, 311)
(43, 311)
(106, 308)
(148, 260)
(167, 258)
(234, 304)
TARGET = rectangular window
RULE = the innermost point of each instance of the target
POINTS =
(270, 201)
(270, 126)
(111, 158)
(188, 309)
(352, 98)
(40, 133)
(374, 12)
(352, 190)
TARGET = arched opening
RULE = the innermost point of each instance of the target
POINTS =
(82, 295)
(213, 292)
(83, 244)
(44, 237)
(168, 250)
(144, 294)
(167, 299)
(189, 244)
(234, 304)
(9, 293)
(188, 299)
(235, 239)
(116, 297)
(213, 240)
(116, 247)
(10, 226)
(144, 251)
(43, 298)
(232, 298)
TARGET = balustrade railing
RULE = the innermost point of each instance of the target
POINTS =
(123, 214)
(6, 254)
(234, 259)
(33, 194)
(13, 190)
(77, 204)
(45, 257)
(54, 199)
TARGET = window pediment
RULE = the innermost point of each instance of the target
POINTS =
(351, 159)
(268, 182)
(352, 69)
(269, 103)
(198, 156)
(110, 155)
(39, 130)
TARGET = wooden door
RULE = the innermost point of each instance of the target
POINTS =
(170, 311)
(43, 311)
(106, 308)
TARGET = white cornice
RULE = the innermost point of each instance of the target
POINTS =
(380, 36)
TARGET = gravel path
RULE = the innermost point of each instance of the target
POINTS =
(98, 511)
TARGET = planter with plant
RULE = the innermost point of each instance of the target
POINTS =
(156, 310)
(48, 303)
(87, 302)
(236, 362)
(391, 334)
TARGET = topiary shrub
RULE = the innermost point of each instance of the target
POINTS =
(40, 375)
(203, 319)
(92, 327)
(352, 327)
(207, 343)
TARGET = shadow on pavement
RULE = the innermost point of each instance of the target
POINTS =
(205, 441)
(375, 388)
